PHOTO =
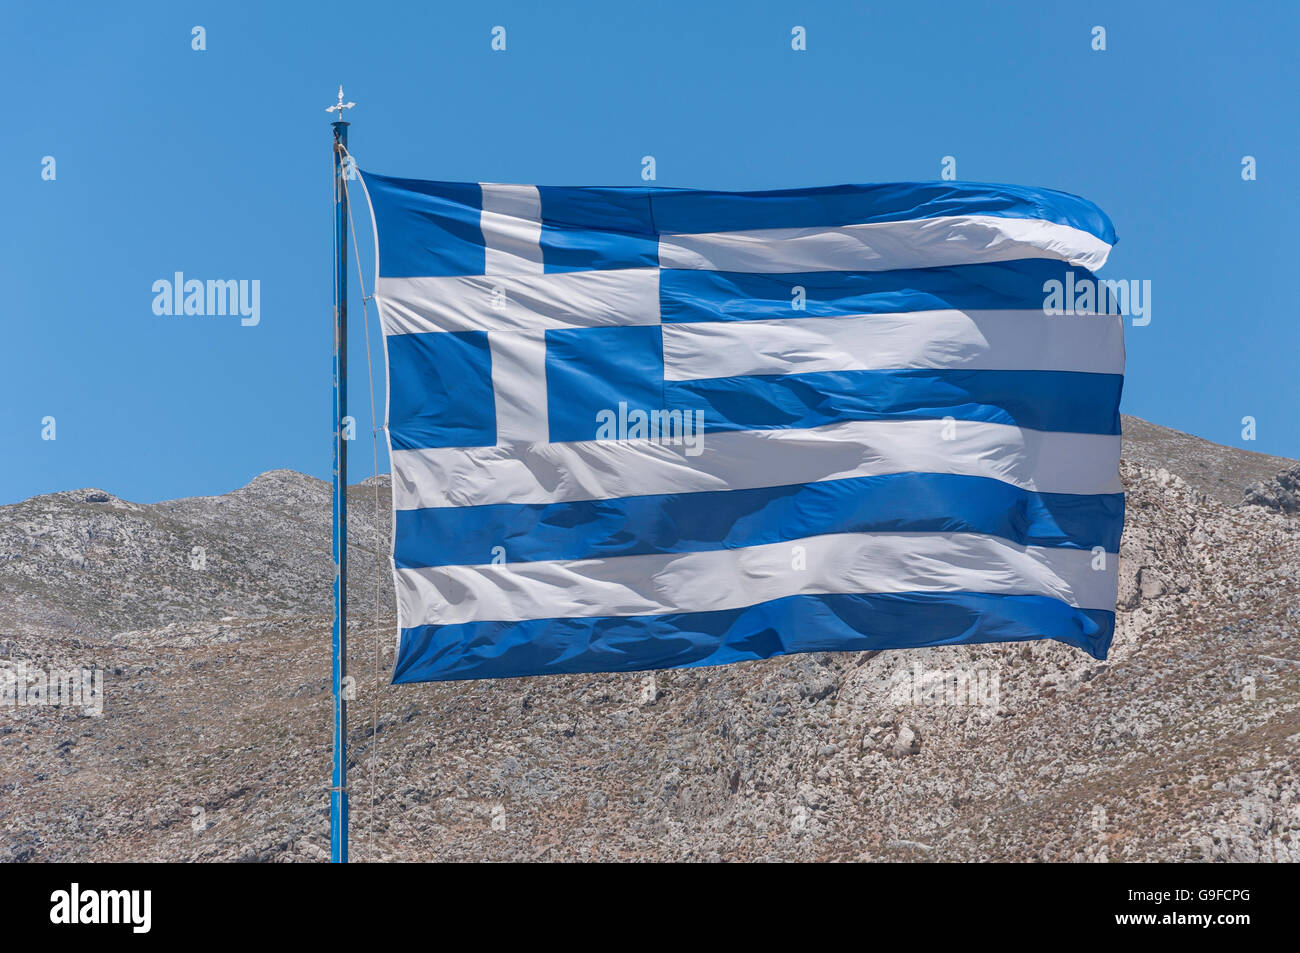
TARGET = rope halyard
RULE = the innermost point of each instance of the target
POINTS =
(379, 568)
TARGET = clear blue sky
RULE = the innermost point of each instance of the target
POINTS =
(217, 164)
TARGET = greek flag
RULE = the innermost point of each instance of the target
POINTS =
(639, 428)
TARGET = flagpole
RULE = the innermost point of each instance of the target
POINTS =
(339, 785)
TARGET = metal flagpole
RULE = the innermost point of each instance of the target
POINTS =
(339, 785)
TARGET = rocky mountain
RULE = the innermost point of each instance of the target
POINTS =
(209, 620)
(84, 561)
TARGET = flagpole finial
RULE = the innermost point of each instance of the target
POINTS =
(340, 105)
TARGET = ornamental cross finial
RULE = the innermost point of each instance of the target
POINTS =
(340, 106)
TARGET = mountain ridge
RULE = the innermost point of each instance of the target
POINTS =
(214, 739)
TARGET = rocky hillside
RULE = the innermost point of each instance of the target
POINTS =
(214, 737)
(1222, 472)
(84, 561)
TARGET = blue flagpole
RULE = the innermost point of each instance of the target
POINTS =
(339, 786)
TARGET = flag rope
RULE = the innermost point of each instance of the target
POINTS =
(379, 567)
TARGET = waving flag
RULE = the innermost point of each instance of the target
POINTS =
(637, 428)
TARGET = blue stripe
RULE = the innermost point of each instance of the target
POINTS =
(708, 211)
(1063, 401)
(730, 519)
(432, 228)
(597, 229)
(686, 295)
(641, 210)
(427, 228)
(830, 623)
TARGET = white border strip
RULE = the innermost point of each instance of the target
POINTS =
(519, 385)
(511, 221)
(713, 580)
(884, 246)
(566, 299)
(972, 340)
(1040, 461)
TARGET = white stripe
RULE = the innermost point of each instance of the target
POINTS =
(519, 385)
(512, 229)
(882, 246)
(572, 299)
(983, 340)
(600, 470)
(658, 583)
